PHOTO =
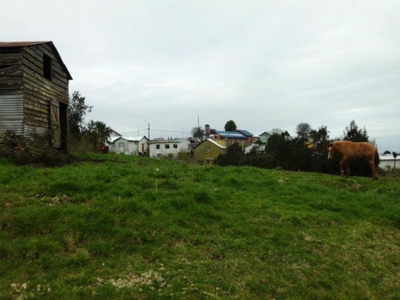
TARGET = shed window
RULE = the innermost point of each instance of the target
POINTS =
(47, 69)
(157, 146)
(175, 146)
(166, 146)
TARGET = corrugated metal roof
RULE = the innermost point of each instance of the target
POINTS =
(129, 138)
(231, 134)
(245, 132)
(20, 44)
(168, 141)
(28, 44)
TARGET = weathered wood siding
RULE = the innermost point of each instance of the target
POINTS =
(40, 92)
(34, 92)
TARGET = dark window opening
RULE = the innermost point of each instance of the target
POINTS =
(5, 66)
(47, 70)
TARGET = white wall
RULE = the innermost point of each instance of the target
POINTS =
(169, 147)
(387, 162)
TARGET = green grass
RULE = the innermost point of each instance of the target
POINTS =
(119, 227)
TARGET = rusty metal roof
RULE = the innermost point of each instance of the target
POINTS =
(28, 44)
(20, 44)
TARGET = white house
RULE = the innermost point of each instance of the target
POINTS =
(259, 148)
(267, 134)
(388, 162)
(136, 145)
(169, 147)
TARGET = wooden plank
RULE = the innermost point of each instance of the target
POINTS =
(42, 83)
(34, 59)
(55, 124)
(10, 59)
(12, 71)
(32, 69)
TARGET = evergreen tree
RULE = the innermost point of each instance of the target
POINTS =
(352, 133)
(230, 126)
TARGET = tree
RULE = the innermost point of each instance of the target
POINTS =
(233, 156)
(230, 126)
(97, 133)
(76, 112)
(197, 132)
(303, 130)
(352, 133)
(320, 162)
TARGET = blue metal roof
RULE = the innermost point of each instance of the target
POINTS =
(231, 134)
(245, 132)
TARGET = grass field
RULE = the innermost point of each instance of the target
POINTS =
(118, 227)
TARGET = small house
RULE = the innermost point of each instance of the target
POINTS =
(231, 137)
(208, 150)
(263, 137)
(389, 162)
(34, 94)
(137, 145)
(169, 147)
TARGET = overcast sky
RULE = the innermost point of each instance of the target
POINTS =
(263, 64)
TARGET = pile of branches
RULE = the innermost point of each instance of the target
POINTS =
(33, 149)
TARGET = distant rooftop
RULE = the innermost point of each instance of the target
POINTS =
(230, 134)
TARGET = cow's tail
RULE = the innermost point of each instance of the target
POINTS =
(376, 159)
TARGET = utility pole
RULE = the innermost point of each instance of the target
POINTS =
(148, 129)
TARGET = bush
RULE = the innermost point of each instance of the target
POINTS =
(32, 149)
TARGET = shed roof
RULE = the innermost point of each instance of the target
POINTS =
(34, 43)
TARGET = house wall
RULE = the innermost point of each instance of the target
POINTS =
(387, 163)
(182, 146)
(264, 137)
(207, 151)
(129, 147)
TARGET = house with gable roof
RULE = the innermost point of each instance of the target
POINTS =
(208, 150)
(137, 145)
(263, 137)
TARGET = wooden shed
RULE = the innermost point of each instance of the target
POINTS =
(34, 92)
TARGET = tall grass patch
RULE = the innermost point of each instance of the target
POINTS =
(112, 226)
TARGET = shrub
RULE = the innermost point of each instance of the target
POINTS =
(32, 149)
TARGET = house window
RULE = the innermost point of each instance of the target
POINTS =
(157, 146)
(121, 144)
(47, 69)
(166, 146)
(175, 146)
